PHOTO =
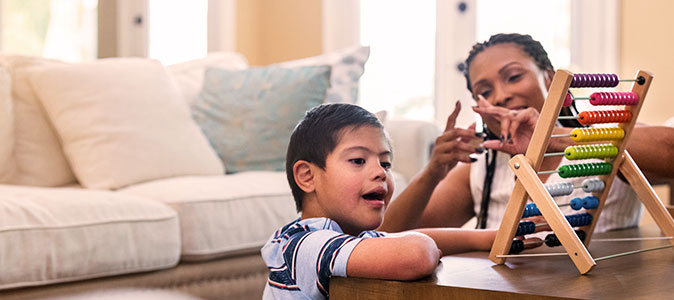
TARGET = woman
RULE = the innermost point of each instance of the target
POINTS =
(509, 75)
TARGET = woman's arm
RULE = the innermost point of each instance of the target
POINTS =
(454, 145)
(451, 204)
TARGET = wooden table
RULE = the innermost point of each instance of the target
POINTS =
(647, 275)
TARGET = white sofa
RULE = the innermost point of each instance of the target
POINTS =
(74, 221)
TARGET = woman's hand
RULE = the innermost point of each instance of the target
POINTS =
(452, 146)
(515, 126)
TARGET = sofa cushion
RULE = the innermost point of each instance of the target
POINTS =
(221, 215)
(38, 157)
(122, 121)
(50, 235)
(7, 165)
(248, 115)
(347, 66)
(189, 75)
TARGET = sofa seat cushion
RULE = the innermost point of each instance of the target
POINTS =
(50, 235)
(224, 215)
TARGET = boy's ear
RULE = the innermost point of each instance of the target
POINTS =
(304, 175)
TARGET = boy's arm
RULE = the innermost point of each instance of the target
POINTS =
(400, 256)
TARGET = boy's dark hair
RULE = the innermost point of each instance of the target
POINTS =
(318, 134)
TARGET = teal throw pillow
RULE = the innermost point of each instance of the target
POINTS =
(248, 115)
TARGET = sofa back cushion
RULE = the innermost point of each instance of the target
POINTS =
(347, 66)
(248, 115)
(189, 75)
(38, 158)
(122, 121)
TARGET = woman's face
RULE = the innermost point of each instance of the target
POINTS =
(506, 76)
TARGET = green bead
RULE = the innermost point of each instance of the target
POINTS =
(587, 169)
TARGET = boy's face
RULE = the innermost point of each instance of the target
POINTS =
(356, 185)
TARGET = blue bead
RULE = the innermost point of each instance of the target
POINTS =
(525, 227)
(590, 202)
(576, 203)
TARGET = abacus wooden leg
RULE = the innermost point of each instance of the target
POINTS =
(647, 195)
(553, 215)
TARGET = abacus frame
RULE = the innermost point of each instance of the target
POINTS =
(529, 185)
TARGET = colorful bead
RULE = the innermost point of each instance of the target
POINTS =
(604, 116)
(592, 185)
(567, 100)
(590, 151)
(525, 227)
(594, 80)
(551, 240)
(614, 98)
(579, 220)
(588, 202)
(531, 210)
(596, 134)
(517, 246)
(559, 189)
(586, 169)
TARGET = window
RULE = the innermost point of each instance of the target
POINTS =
(177, 30)
(546, 21)
(578, 35)
(399, 74)
(61, 29)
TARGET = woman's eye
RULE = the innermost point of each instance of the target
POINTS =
(386, 165)
(514, 77)
(358, 161)
(485, 94)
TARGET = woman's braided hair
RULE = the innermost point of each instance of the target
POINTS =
(530, 46)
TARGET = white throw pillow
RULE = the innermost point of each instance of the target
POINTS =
(7, 165)
(189, 75)
(347, 67)
(38, 156)
(122, 121)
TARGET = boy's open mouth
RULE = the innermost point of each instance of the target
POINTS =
(374, 196)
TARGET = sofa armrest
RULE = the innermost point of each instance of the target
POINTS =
(412, 142)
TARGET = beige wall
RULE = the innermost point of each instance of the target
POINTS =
(647, 43)
(269, 31)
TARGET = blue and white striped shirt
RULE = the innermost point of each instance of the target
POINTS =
(303, 255)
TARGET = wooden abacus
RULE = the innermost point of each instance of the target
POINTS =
(529, 185)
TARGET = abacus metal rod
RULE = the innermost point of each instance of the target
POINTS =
(548, 172)
(632, 252)
(562, 135)
(532, 255)
(553, 154)
(634, 239)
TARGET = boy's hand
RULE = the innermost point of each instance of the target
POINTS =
(515, 127)
(452, 146)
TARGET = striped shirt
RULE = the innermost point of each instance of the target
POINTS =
(303, 255)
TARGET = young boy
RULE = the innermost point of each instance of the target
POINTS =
(338, 166)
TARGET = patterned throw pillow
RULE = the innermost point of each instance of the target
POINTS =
(248, 115)
(347, 65)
